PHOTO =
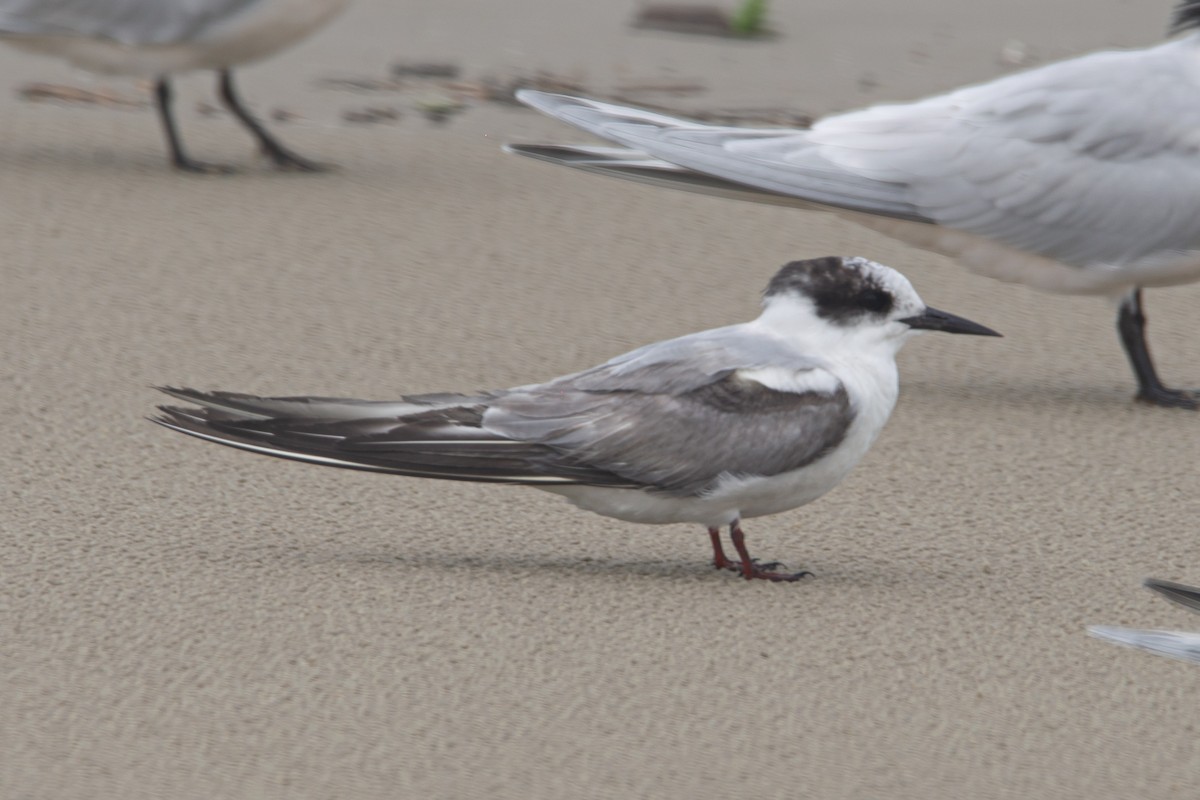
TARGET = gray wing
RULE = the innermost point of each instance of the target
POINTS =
(675, 416)
(128, 21)
(1092, 160)
(756, 157)
(677, 422)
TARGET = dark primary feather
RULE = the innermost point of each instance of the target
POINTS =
(1186, 17)
(444, 443)
(330, 408)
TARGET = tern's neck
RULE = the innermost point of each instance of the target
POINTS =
(862, 357)
(794, 320)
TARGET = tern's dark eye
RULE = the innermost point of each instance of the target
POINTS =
(876, 301)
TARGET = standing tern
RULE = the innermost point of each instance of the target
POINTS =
(158, 38)
(1182, 645)
(1080, 177)
(710, 428)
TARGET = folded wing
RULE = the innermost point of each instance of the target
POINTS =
(672, 418)
(1086, 161)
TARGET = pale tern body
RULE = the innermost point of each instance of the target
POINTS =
(710, 428)
(1079, 177)
(156, 39)
(1182, 645)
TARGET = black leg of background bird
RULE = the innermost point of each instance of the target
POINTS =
(752, 570)
(179, 159)
(1131, 324)
(280, 155)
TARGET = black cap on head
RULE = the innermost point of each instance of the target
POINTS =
(841, 292)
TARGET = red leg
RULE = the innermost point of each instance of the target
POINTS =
(749, 568)
(719, 559)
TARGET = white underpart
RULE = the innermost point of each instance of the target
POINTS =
(254, 33)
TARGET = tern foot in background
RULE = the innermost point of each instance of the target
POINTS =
(1131, 324)
(749, 568)
(281, 157)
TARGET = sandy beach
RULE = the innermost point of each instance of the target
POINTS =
(180, 620)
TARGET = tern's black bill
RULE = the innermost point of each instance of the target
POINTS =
(935, 320)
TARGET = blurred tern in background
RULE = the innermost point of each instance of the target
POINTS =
(159, 38)
(710, 428)
(1080, 177)
(1174, 644)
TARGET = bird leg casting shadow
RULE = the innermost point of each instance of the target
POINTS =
(747, 566)
(179, 159)
(719, 559)
(1131, 324)
(279, 155)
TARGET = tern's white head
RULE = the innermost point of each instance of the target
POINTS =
(851, 302)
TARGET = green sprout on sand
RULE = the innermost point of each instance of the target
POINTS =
(750, 18)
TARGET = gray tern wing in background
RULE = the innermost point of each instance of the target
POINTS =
(1079, 177)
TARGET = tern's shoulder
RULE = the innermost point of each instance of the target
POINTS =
(685, 363)
(680, 423)
(127, 21)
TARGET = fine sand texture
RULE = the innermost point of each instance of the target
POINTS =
(180, 620)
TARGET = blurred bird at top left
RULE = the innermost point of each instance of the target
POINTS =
(156, 39)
